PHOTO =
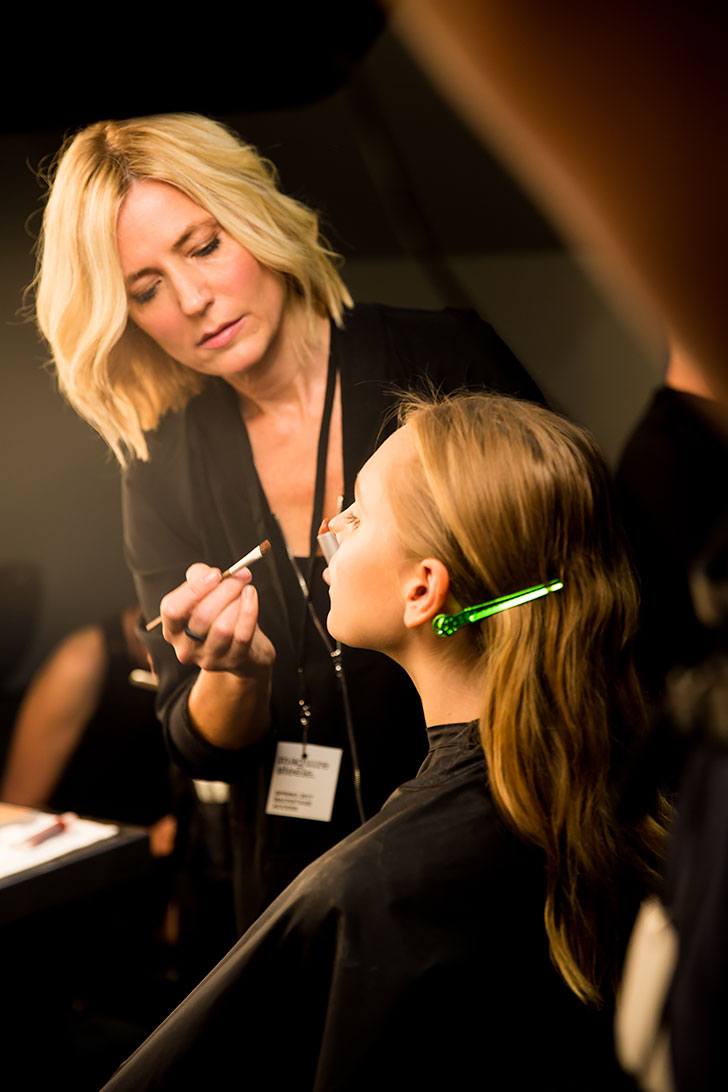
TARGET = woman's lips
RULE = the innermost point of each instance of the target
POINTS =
(222, 337)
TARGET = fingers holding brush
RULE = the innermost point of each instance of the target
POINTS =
(229, 637)
(193, 609)
(248, 638)
(206, 575)
(213, 622)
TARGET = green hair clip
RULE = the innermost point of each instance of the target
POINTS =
(445, 625)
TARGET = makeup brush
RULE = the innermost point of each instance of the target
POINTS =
(250, 558)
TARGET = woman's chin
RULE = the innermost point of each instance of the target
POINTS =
(341, 632)
(331, 625)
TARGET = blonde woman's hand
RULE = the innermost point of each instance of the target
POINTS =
(214, 623)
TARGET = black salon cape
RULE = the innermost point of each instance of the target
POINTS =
(198, 498)
(412, 955)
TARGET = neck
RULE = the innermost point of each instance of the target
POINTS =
(292, 371)
(450, 691)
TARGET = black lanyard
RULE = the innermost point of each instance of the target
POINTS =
(318, 501)
(305, 582)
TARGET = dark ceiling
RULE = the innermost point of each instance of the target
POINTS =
(256, 56)
(324, 90)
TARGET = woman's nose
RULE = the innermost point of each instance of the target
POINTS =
(194, 294)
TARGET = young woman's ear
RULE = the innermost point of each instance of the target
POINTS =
(426, 589)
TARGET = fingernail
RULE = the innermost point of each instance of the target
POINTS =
(212, 577)
(248, 593)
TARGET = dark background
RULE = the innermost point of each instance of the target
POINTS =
(421, 212)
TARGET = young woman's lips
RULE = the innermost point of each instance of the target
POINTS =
(222, 337)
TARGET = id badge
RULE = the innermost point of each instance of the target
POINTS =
(304, 788)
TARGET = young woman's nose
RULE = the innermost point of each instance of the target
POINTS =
(327, 540)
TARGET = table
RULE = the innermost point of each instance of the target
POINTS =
(75, 876)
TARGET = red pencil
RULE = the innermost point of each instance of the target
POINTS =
(57, 827)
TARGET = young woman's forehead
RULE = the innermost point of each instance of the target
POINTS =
(396, 451)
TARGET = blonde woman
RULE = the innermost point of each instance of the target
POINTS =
(472, 932)
(200, 324)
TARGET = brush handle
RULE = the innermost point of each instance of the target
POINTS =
(250, 558)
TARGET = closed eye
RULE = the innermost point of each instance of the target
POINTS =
(204, 252)
(209, 248)
(345, 521)
(146, 296)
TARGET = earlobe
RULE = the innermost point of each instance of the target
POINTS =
(425, 592)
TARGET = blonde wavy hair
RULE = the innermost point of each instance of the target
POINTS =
(111, 372)
(508, 495)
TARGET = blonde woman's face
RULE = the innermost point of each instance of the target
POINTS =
(367, 573)
(191, 287)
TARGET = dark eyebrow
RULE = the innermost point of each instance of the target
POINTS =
(176, 246)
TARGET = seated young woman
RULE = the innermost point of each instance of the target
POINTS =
(474, 928)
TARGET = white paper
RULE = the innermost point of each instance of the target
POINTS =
(16, 855)
(304, 788)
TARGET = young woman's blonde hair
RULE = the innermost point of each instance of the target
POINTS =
(112, 373)
(509, 495)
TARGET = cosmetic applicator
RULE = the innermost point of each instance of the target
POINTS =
(250, 558)
(327, 540)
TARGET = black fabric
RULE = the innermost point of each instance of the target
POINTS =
(672, 486)
(672, 482)
(412, 955)
(120, 767)
(199, 498)
(697, 896)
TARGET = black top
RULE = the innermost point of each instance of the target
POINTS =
(672, 486)
(412, 955)
(120, 767)
(199, 498)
